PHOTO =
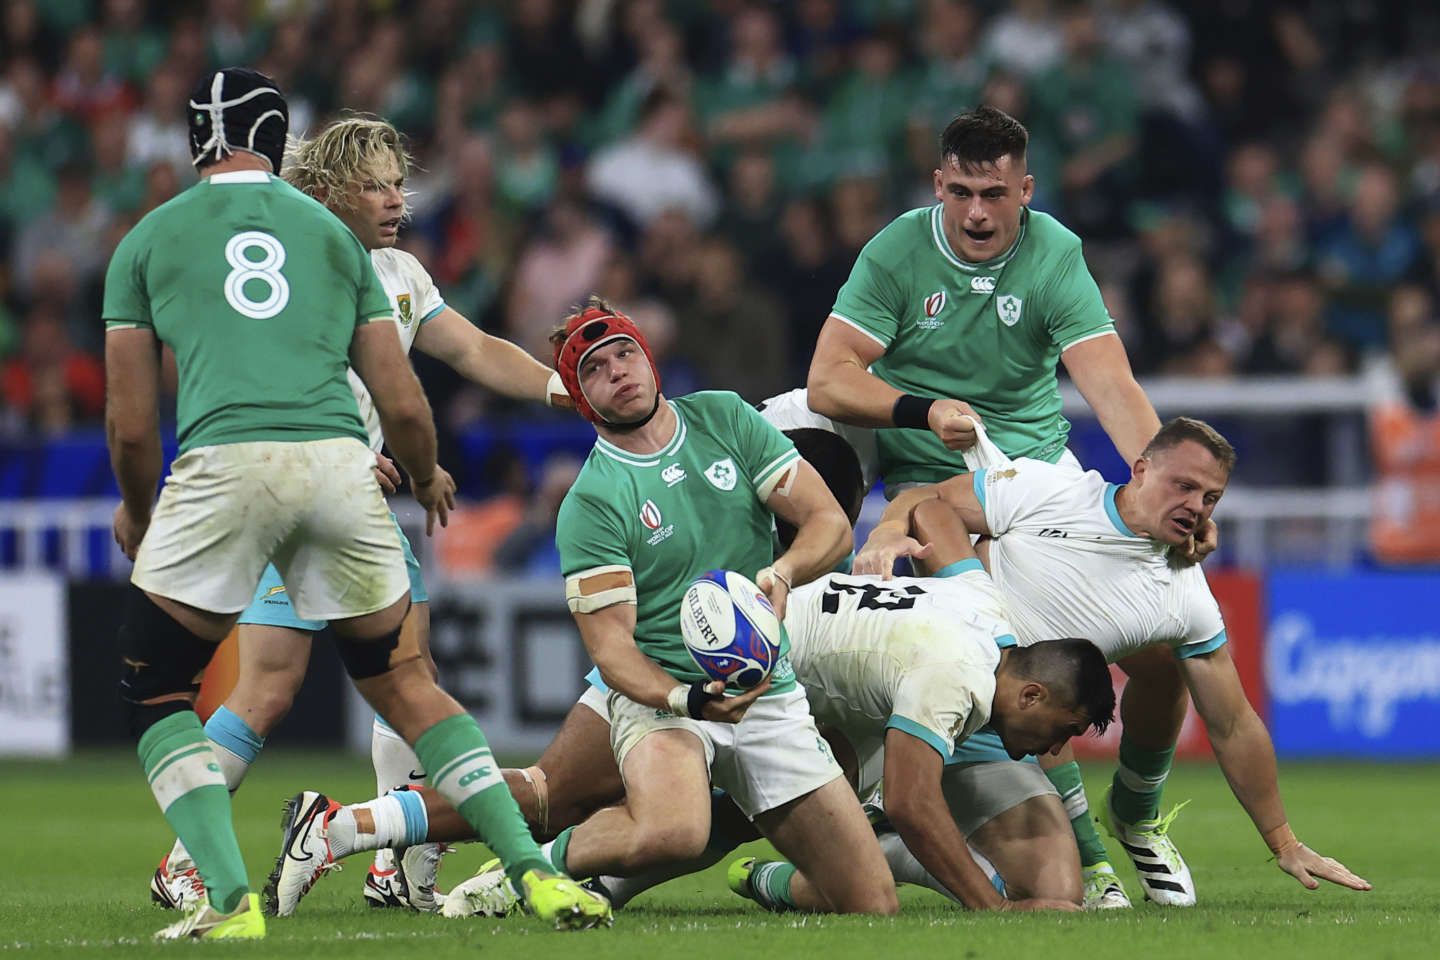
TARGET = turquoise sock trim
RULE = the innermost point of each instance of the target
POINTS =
(227, 729)
(417, 821)
(959, 567)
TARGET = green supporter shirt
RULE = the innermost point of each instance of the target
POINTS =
(668, 517)
(258, 289)
(987, 333)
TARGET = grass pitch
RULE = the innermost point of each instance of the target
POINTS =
(84, 836)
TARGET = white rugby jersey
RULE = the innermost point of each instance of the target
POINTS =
(1069, 567)
(916, 654)
(414, 300)
(791, 411)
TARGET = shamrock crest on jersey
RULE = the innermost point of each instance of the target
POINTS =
(1008, 308)
(722, 474)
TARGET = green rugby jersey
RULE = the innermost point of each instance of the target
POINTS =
(987, 333)
(670, 516)
(258, 289)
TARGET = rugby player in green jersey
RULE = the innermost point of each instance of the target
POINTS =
(267, 299)
(674, 488)
(961, 310)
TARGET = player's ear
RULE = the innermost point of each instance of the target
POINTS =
(1027, 190)
(1033, 694)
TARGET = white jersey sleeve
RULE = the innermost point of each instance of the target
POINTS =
(936, 702)
(1024, 495)
(414, 299)
(1203, 628)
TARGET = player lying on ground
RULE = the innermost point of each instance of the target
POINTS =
(1074, 555)
(357, 167)
(272, 468)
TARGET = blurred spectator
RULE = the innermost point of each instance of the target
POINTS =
(732, 331)
(1366, 255)
(808, 274)
(74, 229)
(49, 382)
(951, 73)
(556, 271)
(131, 48)
(862, 130)
(476, 529)
(157, 129)
(1293, 339)
(473, 240)
(117, 184)
(526, 167)
(530, 547)
(662, 64)
(754, 98)
(1405, 433)
(1085, 107)
(1026, 39)
(655, 169)
(751, 214)
(85, 87)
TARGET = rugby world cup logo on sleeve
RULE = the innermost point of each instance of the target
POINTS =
(932, 305)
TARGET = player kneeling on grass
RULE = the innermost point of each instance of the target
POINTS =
(1076, 556)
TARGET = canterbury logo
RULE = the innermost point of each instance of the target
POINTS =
(982, 284)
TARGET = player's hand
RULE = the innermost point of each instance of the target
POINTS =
(1201, 544)
(128, 531)
(775, 588)
(1310, 868)
(731, 709)
(878, 556)
(437, 495)
(953, 421)
(386, 473)
(1036, 904)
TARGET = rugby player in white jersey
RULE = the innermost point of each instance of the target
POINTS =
(1076, 556)
(357, 166)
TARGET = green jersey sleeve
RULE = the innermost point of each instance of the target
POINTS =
(589, 535)
(765, 451)
(127, 302)
(1073, 309)
(871, 299)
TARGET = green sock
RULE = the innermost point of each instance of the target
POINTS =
(770, 882)
(466, 775)
(1135, 793)
(187, 782)
(557, 848)
(1066, 779)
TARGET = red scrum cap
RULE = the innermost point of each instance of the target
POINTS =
(589, 330)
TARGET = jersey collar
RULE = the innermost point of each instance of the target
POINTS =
(240, 176)
(1113, 512)
(937, 232)
(650, 459)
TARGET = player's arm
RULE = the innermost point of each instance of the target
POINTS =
(823, 536)
(842, 387)
(1100, 369)
(132, 427)
(905, 530)
(1247, 757)
(377, 357)
(489, 361)
(608, 633)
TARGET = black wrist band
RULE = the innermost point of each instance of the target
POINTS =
(699, 696)
(912, 412)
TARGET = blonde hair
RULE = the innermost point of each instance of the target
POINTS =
(344, 155)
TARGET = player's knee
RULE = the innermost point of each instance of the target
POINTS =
(365, 659)
(875, 895)
(162, 663)
(665, 843)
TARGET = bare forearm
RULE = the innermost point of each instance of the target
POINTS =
(505, 368)
(931, 835)
(819, 545)
(1126, 415)
(847, 392)
(136, 462)
(410, 435)
(1247, 758)
(624, 668)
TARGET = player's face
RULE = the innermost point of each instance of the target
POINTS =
(377, 204)
(1177, 490)
(618, 381)
(1037, 725)
(982, 206)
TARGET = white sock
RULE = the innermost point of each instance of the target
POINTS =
(624, 889)
(399, 818)
(395, 763)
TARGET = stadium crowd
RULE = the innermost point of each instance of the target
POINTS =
(1258, 184)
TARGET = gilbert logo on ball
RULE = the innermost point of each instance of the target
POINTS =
(729, 628)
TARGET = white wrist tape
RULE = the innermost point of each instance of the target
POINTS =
(555, 388)
(677, 701)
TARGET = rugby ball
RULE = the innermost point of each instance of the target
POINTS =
(730, 628)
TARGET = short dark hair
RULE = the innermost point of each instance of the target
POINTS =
(981, 137)
(1073, 670)
(838, 465)
(1181, 429)
(592, 302)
